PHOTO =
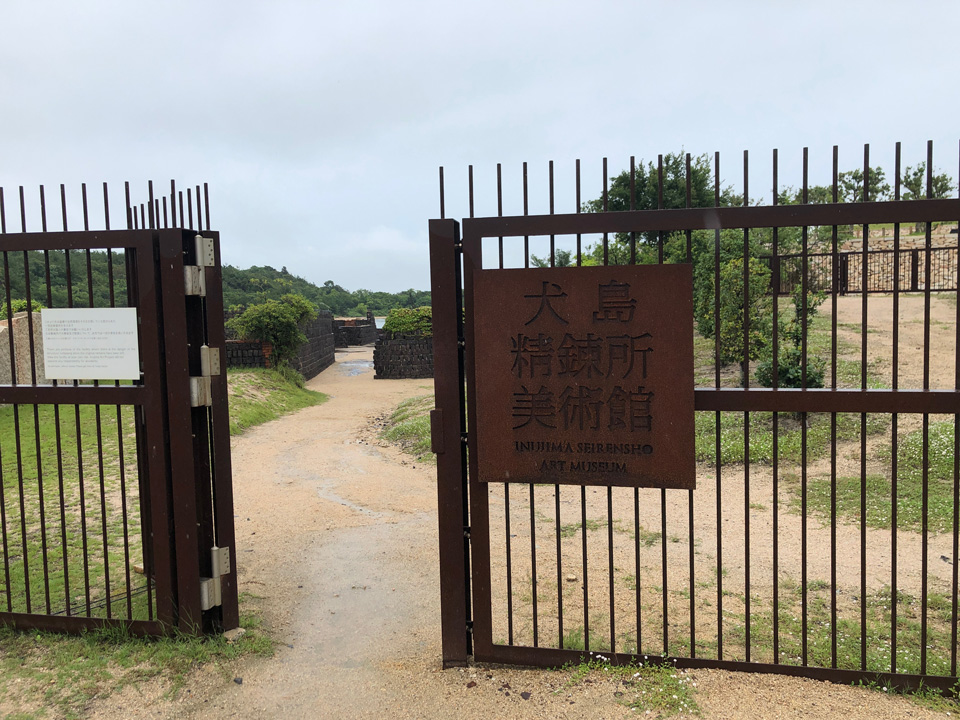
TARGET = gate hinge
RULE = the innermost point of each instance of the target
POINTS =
(210, 587)
(194, 280)
(205, 252)
(200, 394)
(461, 343)
(463, 438)
(466, 532)
(469, 627)
(209, 361)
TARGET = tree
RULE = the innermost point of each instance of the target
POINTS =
(914, 179)
(646, 196)
(277, 322)
(851, 185)
(561, 258)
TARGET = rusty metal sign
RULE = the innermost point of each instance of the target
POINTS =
(585, 376)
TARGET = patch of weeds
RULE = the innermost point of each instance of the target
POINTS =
(258, 395)
(789, 435)
(878, 490)
(63, 673)
(409, 427)
(573, 529)
(644, 688)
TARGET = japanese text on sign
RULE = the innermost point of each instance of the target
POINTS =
(587, 378)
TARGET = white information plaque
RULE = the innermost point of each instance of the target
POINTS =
(90, 343)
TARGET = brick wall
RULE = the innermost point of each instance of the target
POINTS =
(403, 356)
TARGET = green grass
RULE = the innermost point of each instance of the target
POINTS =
(789, 435)
(259, 395)
(644, 688)
(878, 487)
(46, 672)
(409, 427)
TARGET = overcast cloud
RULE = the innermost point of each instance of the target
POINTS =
(320, 126)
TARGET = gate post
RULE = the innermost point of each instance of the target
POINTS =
(447, 426)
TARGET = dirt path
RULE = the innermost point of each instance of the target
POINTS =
(337, 550)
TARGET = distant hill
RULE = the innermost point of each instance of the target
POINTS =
(256, 284)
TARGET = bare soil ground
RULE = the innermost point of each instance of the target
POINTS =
(337, 550)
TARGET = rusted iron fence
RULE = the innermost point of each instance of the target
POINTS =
(846, 270)
(113, 493)
(822, 537)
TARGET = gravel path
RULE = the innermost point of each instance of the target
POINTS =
(337, 550)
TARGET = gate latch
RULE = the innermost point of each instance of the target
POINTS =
(210, 587)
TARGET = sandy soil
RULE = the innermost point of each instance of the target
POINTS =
(337, 550)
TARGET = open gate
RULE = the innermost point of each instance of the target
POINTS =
(116, 496)
(821, 538)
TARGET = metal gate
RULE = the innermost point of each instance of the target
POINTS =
(822, 537)
(116, 505)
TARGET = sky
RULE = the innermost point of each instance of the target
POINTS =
(320, 126)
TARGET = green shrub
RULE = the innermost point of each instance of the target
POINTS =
(18, 305)
(410, 321)
(277, 322)
(790, 371)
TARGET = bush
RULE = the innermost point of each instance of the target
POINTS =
(18, 305)
(410, 321)
(276, 322)
(789, 370)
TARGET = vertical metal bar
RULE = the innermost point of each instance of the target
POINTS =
(173, 200)
(689, 232)
(83, 202)
(836, 288)
(206, 205)
(579, 236)
(454, 599)
(863, 419)
(182, 215)
(586, 575)
(199, 210)
(165, 223)
(664, 569)
(553, 246)
(470, 189)
(533, 564)
(633, 205)
(716, 380)
(636, 569)
(130, 213)
(925, 494)
(41, 499)
(13, 370)
(106, 207)
(500, 210)
(745, 373)
(606, 236)
(556, 496)
(660, 206)
(151, 215)
(894, 439)
(610, 571)
(775, 470)
(190, 206)
(526, 238)
(805, 197)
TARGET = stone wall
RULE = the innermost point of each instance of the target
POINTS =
(317, 353)
(397, 357)
(355, 331)
(314, 356)
(21, 349)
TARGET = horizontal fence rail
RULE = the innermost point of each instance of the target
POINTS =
(822, 537)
